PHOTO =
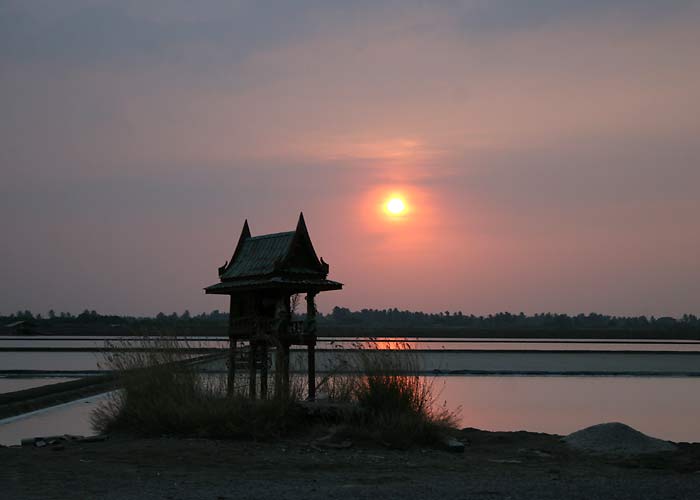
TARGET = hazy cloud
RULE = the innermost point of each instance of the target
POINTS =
(549, 148)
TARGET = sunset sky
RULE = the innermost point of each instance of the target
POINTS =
(548, 152)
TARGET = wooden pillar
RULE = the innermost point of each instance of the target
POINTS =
(310, 335)
(263, 371)
(284, 361)
(231, 381)
(282, 315)
(251, 366)
(278, 371)
(311, 354)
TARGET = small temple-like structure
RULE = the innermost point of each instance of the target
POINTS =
(264, 273)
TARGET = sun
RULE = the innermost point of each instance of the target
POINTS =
(396, 206)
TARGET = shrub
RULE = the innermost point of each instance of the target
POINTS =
(394, 404)
(161, 393)
(386, 399)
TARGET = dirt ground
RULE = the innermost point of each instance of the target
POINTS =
(494, 466)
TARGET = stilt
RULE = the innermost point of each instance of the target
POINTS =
(311, 354)
(310, 334)
(231, 382)
(285, 370)
(263, 371)
(278, 372)
(251, 360)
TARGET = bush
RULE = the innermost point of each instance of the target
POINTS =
(393, 404)
(161, 394)
(385, 399)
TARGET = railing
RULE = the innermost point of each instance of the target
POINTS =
(295, 328)
(250, 325)
(247, 326)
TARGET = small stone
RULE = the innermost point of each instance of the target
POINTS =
(93, 439)
(451, 444)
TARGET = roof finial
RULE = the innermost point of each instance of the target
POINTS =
(301, 225)
(245, 233)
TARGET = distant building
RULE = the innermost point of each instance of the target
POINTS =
(665, 322)
(21, 327)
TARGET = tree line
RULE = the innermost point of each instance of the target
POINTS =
(502, 320)
(392, 318)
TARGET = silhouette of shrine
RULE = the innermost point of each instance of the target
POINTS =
(264, 273)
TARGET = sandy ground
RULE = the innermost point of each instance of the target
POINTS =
(494, 466)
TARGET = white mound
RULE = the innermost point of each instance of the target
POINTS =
(616, 439)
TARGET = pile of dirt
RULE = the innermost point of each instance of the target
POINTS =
(616, 439)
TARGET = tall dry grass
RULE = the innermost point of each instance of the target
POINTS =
(385, 399)
(392, 402)
(163, 393)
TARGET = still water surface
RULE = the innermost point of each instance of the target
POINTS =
(666, 407)
(19, 384)
(381, 342)
(663, 407)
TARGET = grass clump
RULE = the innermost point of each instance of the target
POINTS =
(391, 402)
(380, 394)
(163, 394)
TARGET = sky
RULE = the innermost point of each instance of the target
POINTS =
(547, 151)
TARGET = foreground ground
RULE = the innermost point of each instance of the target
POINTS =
(494, 466)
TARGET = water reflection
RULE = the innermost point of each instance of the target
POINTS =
(382, 342)
(71, 418)
(660, 407)
(19, 384)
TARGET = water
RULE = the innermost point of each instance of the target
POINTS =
(333, 342)
(664, 405)
(19, 384)
(531, 355)
(667, 408)
(48, 361)
(70, 418)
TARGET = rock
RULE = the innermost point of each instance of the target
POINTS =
(71, 437)
(451, 444)
(93, 439)
(51, 439)
(40, 443)
(319, 444)
(616, 439)
(28, 442)
(534, 452)
(337, 446)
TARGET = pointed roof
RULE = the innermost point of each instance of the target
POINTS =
(258, 256)
(285, 259)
